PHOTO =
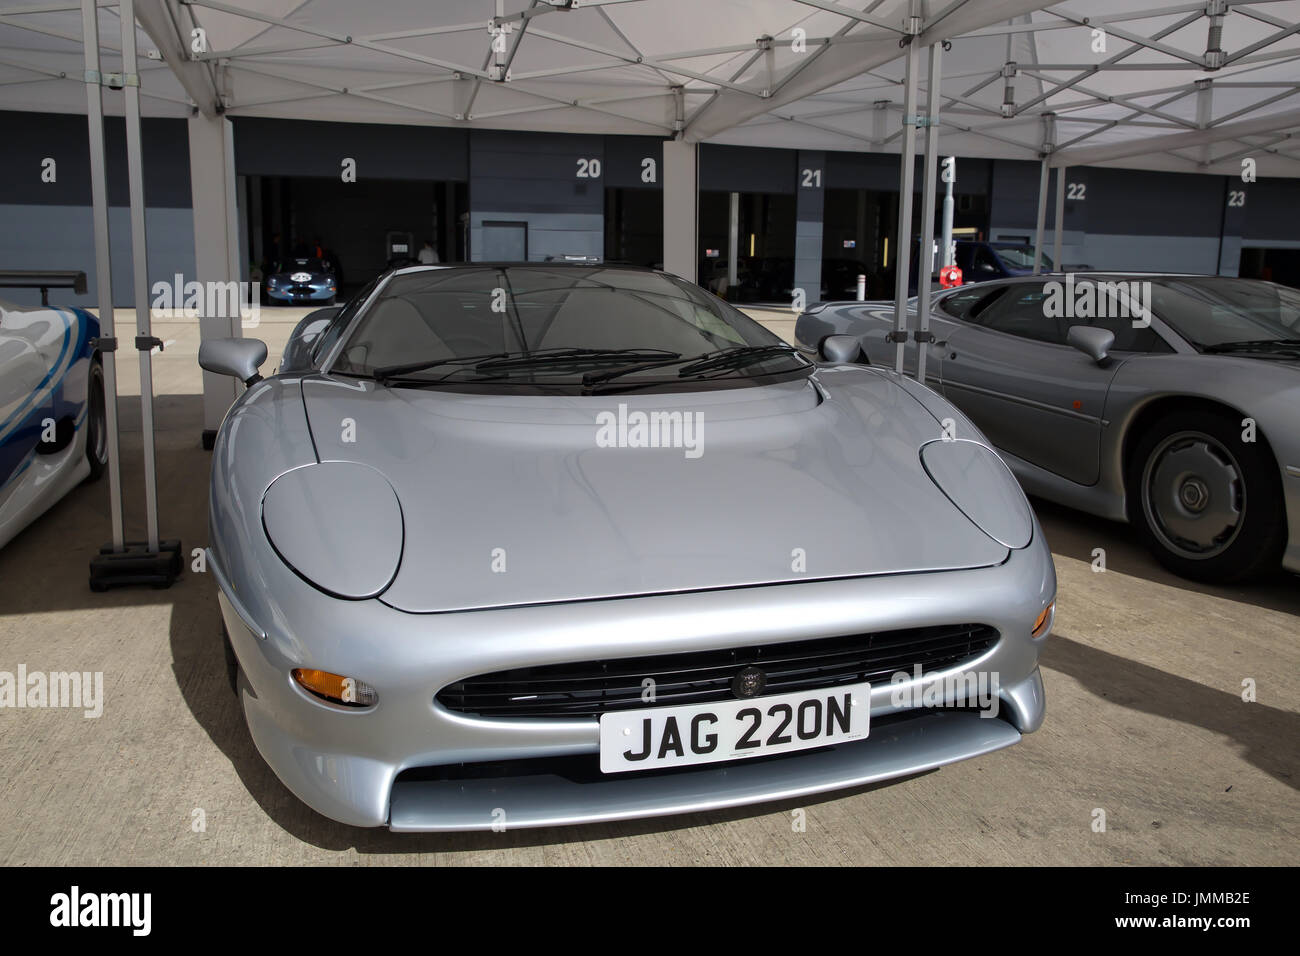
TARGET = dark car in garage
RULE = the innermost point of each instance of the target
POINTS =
(303, 280)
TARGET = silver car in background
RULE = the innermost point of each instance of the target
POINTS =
(1178, 410)
(525, 545)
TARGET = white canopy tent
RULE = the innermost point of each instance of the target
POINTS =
(811, 74)
(1185, 87)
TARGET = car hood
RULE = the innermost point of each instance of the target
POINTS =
(525, 499)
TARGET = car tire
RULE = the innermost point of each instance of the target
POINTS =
(1208, 504)
(96, 421)
(329, 302)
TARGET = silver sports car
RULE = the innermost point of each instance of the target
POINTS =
(523, 545)
(1170, 401)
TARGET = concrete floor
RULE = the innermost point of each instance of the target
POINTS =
(1145, 717)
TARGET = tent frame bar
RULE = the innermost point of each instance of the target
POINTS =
(906, 178)
(152, 562)
(103, 261)
(925, 265)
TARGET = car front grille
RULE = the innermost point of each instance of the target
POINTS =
(590, 688)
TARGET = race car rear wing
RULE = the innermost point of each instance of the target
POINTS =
(45, 280)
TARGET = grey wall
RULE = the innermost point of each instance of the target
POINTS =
(810, 203)
(747, 169)
(60, 237)
(1014, 195)
(48, 225)
(533, 178)
(1272, 207)
(879, 172)
(623, 161)
(272, 147)
(1128, 219)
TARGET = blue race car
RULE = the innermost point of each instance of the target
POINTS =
(306, 280)
(53, 434)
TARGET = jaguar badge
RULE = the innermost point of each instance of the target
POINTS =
(748, 683)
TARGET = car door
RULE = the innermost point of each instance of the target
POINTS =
(1035, 397)
(35, 352)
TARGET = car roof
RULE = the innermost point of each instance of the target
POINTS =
(479, 266)
(1094, 274)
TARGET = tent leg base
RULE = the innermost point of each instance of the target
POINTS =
(136, 564)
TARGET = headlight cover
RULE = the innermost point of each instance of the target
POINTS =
(338, 524)
(979, 483)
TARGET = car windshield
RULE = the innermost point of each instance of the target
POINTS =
(302, 265)
(559, 329)
(1020, 257)
(1212, 311)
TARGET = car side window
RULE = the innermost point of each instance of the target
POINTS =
(325, 341)
(1127, 338)
(1020, 312)
(968, 303)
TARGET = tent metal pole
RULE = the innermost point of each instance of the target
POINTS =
(733, 243)
(907, 170)
(1058, 220)
(1042, 216)
(946, 251)
(103, 259)
(925, 267)
(140, 264)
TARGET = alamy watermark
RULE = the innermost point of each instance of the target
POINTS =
(207, 300)
(77, 690)
(637, 429)
(1095, 299)
(957, 689)
(133, 911)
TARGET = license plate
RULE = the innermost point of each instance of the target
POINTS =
(727, 730)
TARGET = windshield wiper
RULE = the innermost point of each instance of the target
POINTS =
(736, 357)
(1256, 345)
(386, 373)
(496, 361)
(727, 358)
(566, 356)
(640, 359)
(592, 379)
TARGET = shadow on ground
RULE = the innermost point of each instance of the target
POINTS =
(1073, 534)
(1265, 736)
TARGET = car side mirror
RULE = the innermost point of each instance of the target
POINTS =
(1091, 341)
(840, 349)
(238, 357)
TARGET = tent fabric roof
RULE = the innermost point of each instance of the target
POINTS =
(1154, 90)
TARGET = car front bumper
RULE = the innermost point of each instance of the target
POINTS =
(299, 294)
(366, 767)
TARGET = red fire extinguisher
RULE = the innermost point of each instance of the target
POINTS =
(949, 276)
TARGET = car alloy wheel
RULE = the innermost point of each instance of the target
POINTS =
(1193, 495)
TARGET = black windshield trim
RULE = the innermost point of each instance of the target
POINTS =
(664, 386)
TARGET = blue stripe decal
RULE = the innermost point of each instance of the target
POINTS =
(25, 410)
